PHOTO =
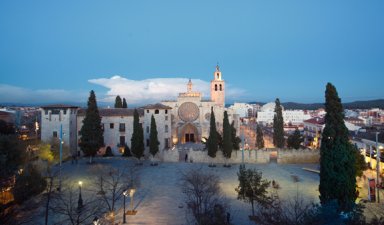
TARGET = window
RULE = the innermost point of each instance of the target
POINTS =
(166, 117)
(122, 141)
(46, 112)
(111, 125)
(166, 129)
(55, 111)
(122, 127)
(147, 110)
(215, 87)
(218, 76)
(166, 111)
(79, 132)
(147, 129)
(156, 111)
(64, 111)
(166, 143)
(147, 142)
(221, 88)
(55, 134)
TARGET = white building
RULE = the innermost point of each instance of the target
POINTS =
(241, 108)
(294, 117)
(118, 126)
(55, 116)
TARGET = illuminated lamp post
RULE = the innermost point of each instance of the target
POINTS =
(132, 191)
(80, 201)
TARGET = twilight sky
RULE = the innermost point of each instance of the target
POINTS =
(57, 51)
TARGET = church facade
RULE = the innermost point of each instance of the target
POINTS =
(190, 113)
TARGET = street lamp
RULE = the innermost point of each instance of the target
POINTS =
(80, 201)
(96, 221)
(125, 193)
(132, 191)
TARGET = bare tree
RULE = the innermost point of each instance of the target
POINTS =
(291, 212)
(65, 205)
(112, 182)
(204, 198)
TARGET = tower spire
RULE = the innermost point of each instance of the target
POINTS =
(189, 85)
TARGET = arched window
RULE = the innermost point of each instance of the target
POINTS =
(215, 87)
(218, 76)
(166, 129)
(221, 88)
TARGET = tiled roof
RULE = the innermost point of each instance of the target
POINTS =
(58, 106)
(156, 106)
(114, 112)
(316, 120)
(353, 119)
(5, 113)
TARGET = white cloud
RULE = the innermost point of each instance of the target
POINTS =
(135, 91)
(154, 90)
(14, 94)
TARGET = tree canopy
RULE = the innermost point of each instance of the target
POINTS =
(337, 156)
(252, 187)
(259, 137)
(153, 140)
(212, 139)
(295, 139)
(124, 104)
(118, 102)
(227, 137)
(278, 126)
(92, 138)
(137, 140)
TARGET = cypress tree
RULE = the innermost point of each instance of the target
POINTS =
(118, 102)
(137, 140)
(227, 137)
(153, 141)
(91, 132)
(259, 137)
(294, 140)
(337, 157)
(124, 104)
(212, 139)
(278, 126)
(235, 139)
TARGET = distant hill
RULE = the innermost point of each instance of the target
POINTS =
(379, 103)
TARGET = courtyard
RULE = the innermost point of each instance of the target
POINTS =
(159, 200)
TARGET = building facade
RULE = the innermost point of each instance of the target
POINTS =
(184, 120)
(60, 120)
(190, 114)
(294, 117)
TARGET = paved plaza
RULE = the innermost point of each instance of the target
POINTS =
(159, 200)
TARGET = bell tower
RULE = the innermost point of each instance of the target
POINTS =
(218, 88)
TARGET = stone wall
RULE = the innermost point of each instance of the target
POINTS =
(292, 156)
(252, 156)
(284, 156)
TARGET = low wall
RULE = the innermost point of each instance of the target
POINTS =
(284, 156)
(250, 156)
(292, 156)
